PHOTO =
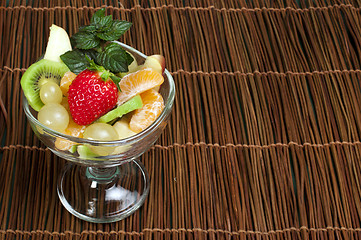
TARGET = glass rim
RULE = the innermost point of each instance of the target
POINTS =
(126, 141)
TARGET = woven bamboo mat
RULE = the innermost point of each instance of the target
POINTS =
(264, 138)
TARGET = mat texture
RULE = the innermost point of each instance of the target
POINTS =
(264, 137)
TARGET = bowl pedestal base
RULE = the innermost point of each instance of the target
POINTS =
(103, 195)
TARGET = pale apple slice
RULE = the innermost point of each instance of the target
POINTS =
(155, 62)
(161, 60)
(58, 44)
(123, 130)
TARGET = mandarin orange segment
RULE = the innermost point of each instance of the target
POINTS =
(65, 82)
(153, 105)
(75, 129)
(137, 83)
(65, 104)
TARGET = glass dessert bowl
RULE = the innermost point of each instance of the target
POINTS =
(112, 184)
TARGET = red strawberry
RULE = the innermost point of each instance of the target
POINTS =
(90, 97)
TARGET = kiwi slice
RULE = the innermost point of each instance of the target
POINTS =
(37, 75)
(131, 105)
(73, 148)
(85, 152)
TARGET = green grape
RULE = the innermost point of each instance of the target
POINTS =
(51, 93)
(54, 116)
(101, 132)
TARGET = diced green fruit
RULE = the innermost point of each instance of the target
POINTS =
(123, 130)
(131, 105)
(73, 148)
(58, 44)
(85, 152)
(40, 73)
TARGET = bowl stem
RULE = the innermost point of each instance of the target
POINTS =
(103, 194)
(102, 175)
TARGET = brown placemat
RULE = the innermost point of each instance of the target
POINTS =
(263, 141)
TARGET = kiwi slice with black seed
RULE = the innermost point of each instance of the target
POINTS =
(37, 75)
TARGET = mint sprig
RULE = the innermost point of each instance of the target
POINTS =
(101, 29)
(114, 58)
(115, 31)
(92, 41)
(85, 40)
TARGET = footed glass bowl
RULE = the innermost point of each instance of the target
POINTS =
(111, 187)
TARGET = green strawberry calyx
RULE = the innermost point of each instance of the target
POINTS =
(104, 74)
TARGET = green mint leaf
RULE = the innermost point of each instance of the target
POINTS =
(75, 60)
(91, 53)
(116, 80)
(101, 22)
(114, 58)
(89, 29)
(85, 40)
(117, 29)
(121, 26)
(105, 23)
(98, 15)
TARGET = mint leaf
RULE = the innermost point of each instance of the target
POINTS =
(105, 23)
(114, 58)
(121, 26)
(85, 40)
(96, 18)
(91, 53)
(75, 60)
(117, 29)
(88, 28)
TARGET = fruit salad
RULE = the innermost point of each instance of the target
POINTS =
(88, 86)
